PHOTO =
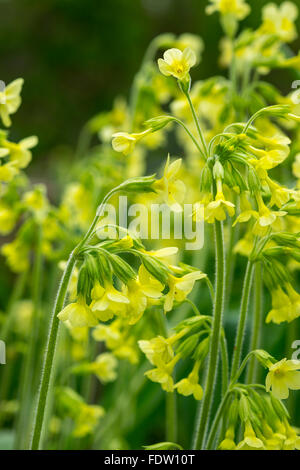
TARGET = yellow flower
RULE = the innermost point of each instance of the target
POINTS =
(163, 374)
(10, 100)
(268, 159)
(180, 287)
(237, 8)
(20, 154)
(282, 376)
(138, 291)
(190, 385)
(171, 188)
(292, 440)
(216, 210)
(250, 441)
(280, 195)
(7, 172)
(228, 443)
(265, 217)
(109, 333)
(125, 143)
(107, 301)
(36, 200)
(281, 307)
(104, 367)
(177, 63)
(87, 419)
(158, 350)
(17, 255)
(78, 314)
(7, 219)
(279, 20)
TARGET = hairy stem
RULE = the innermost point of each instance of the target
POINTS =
(202, 419)
(242, 319)
(47, 370)
(257, 317)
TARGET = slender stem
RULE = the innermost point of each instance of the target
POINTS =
(210, 288)
(49, 355)
(27, 379)
(190, 134)
(225, 364)
(215, 424)
(202, 419)
(242, 320)
(257, 317)
(197, 123)
(236, 376)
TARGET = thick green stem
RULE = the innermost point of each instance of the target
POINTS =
(242, 319)
(257, 319)
(202, 419)
(49, 355)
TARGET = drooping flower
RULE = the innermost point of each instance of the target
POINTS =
(104, 367)
(190, 385)
(157, 350)
(124, 142)
(180, 287)
(218, 209)
(250, 441)
(228, 442)
(282, 376)
(10, 100)
(107, 301)
(87, 419)
(78, 314)
(8, 219)
(17, 255)
(20, 154)
(171, 188)
(138, 291)
(281, 307)
(177, 63)
(163, 374)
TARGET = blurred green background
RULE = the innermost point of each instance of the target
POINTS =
(77, 55)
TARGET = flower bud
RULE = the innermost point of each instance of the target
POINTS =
(155, 267)
(264, 357)
(158, 122)
(218, 170)
(138, 184)
(121, 269)
(206, 180)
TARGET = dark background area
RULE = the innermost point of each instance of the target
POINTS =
(77, 55)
